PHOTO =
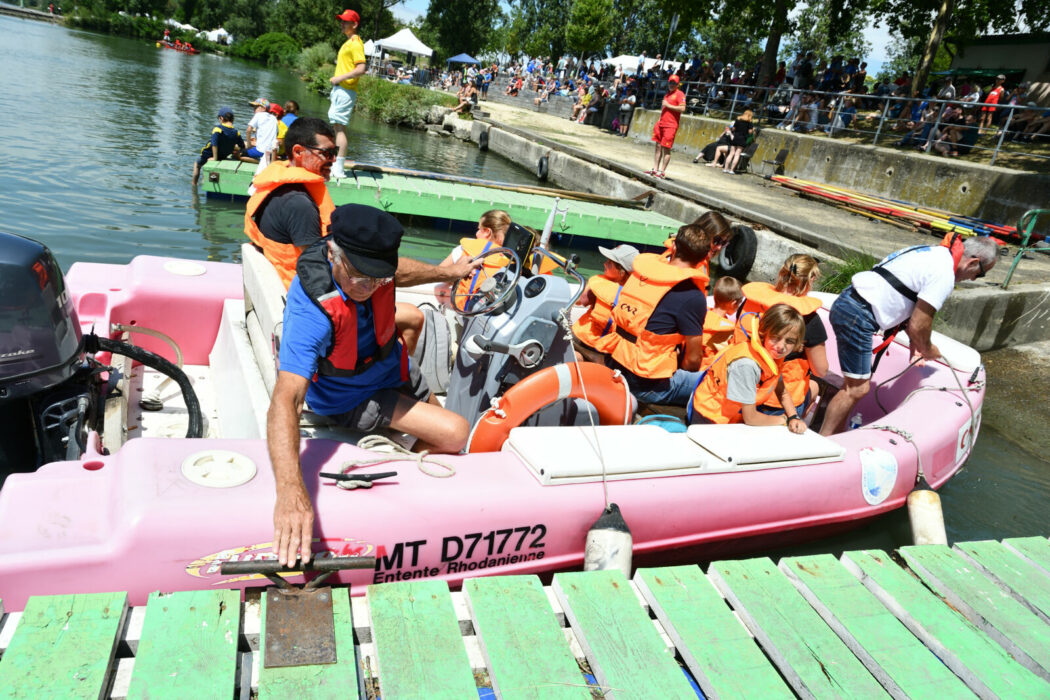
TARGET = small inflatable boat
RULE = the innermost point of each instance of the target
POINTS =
(102, 494)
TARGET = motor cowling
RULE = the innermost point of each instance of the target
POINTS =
(40, 339)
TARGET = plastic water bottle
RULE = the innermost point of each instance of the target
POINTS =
(856, 421)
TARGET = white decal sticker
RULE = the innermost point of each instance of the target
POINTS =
(878, 474)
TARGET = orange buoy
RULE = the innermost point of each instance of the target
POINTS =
(605, 389)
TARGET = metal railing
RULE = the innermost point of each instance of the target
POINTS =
(771, 105)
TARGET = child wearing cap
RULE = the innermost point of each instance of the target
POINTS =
(591, 333)
(349, 66)
(718, 326)
(225, 141)
(264, 127)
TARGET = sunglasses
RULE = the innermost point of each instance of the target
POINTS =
(719, 241)
(980, 266)
(326, 153)
(362, 281)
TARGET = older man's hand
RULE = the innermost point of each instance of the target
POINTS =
(293, 526)
(458, 270)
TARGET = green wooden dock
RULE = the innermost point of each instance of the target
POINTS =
(420, 196)
(933, 622)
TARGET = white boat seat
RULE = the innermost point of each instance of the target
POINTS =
(567, 455)
(743, 447)
(264, 299)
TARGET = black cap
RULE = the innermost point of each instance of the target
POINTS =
(369, 237)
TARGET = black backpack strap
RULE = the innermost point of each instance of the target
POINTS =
(894, 281)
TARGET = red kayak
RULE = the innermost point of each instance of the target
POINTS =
(173, 47)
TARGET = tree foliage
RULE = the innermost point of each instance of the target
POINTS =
(816, 31)
(590, 26)
(460, 26)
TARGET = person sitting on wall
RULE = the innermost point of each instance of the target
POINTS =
(341, 355)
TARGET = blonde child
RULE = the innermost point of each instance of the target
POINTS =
(718, 326)
(492, 231)
(743, 375)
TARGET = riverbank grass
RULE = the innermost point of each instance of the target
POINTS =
(840, 276)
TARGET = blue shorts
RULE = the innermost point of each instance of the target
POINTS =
(854, 324)
(342, 106)
(254, 152)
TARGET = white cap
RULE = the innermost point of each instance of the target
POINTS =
(623, 255)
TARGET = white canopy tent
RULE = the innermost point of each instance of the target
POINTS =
(405, 41)
(370, 48)
(629, 64)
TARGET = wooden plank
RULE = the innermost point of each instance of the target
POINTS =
(981, 663)
(63, 646)
(812, 658)
(900, 662)
(188, 646)
(1028, 584)
(1034, 549)
(994, 611)
(419, 646)
(623, 648)
(716, 647)
(523, 644)
(338, 680)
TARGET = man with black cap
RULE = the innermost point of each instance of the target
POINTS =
(341, 354)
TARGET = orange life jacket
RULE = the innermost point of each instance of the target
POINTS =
(341, 357)
(718, 333)
(642, 352)
(473, 247)
(283, 256)
(595, 328)
(703, 266)
(954, 243)
(759, 296)
(709, 397)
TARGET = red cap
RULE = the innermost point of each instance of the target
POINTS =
(349, 16)
(674, 78)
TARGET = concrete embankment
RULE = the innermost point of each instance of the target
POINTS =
(1018, 387)
(973, 189)
(980, 314)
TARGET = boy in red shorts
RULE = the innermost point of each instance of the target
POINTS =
(667, 126)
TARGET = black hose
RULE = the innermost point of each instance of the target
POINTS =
(94, 343)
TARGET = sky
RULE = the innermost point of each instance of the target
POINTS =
(878, 37)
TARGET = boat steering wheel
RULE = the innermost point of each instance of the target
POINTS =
(487, 292)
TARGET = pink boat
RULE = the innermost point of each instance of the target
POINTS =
(144, 508)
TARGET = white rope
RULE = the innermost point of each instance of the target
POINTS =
(567, 326)
(394, 453)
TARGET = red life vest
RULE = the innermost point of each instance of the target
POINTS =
(341, 357)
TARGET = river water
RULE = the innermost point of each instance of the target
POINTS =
(96, 162)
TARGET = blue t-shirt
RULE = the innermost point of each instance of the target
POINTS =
(307, 336)
(289, 118)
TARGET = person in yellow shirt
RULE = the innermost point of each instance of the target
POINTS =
(349, 66)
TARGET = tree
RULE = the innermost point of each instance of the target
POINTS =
(959, 22)
(462, 26)
(307, 21)
(541, 31)
(815, 33)
(590, 26)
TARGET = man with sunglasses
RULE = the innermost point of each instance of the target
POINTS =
(903, 292)
(341, 354)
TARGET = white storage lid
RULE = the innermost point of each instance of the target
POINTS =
(760, 447)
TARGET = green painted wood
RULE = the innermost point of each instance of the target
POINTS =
(524, 646)
(993, 610)
(1029, 583)
(188, 646)
(63, 647)
(717, 648)
(981, 663)
(900, 662)
(401, 194)
(812, 658)
(419, 646)
(1034, 549)
(621, 644)
(338, 680)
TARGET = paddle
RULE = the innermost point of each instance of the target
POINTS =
(639, 202)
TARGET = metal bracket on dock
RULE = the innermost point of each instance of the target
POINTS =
(300, 625)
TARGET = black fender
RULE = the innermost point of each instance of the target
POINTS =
(738, 256)
(542, 167)
(483, 140)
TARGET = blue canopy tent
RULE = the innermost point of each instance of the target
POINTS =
(463, 58)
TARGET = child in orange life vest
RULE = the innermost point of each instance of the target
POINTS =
(492, 230)
(795, 280)
(718, 327)
(744, 374)
(591, 332)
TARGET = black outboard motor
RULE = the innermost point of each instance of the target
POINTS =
(41, 351)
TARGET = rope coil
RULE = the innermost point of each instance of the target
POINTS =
(394, 453)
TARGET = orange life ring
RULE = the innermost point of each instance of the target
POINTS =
(606, 390)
